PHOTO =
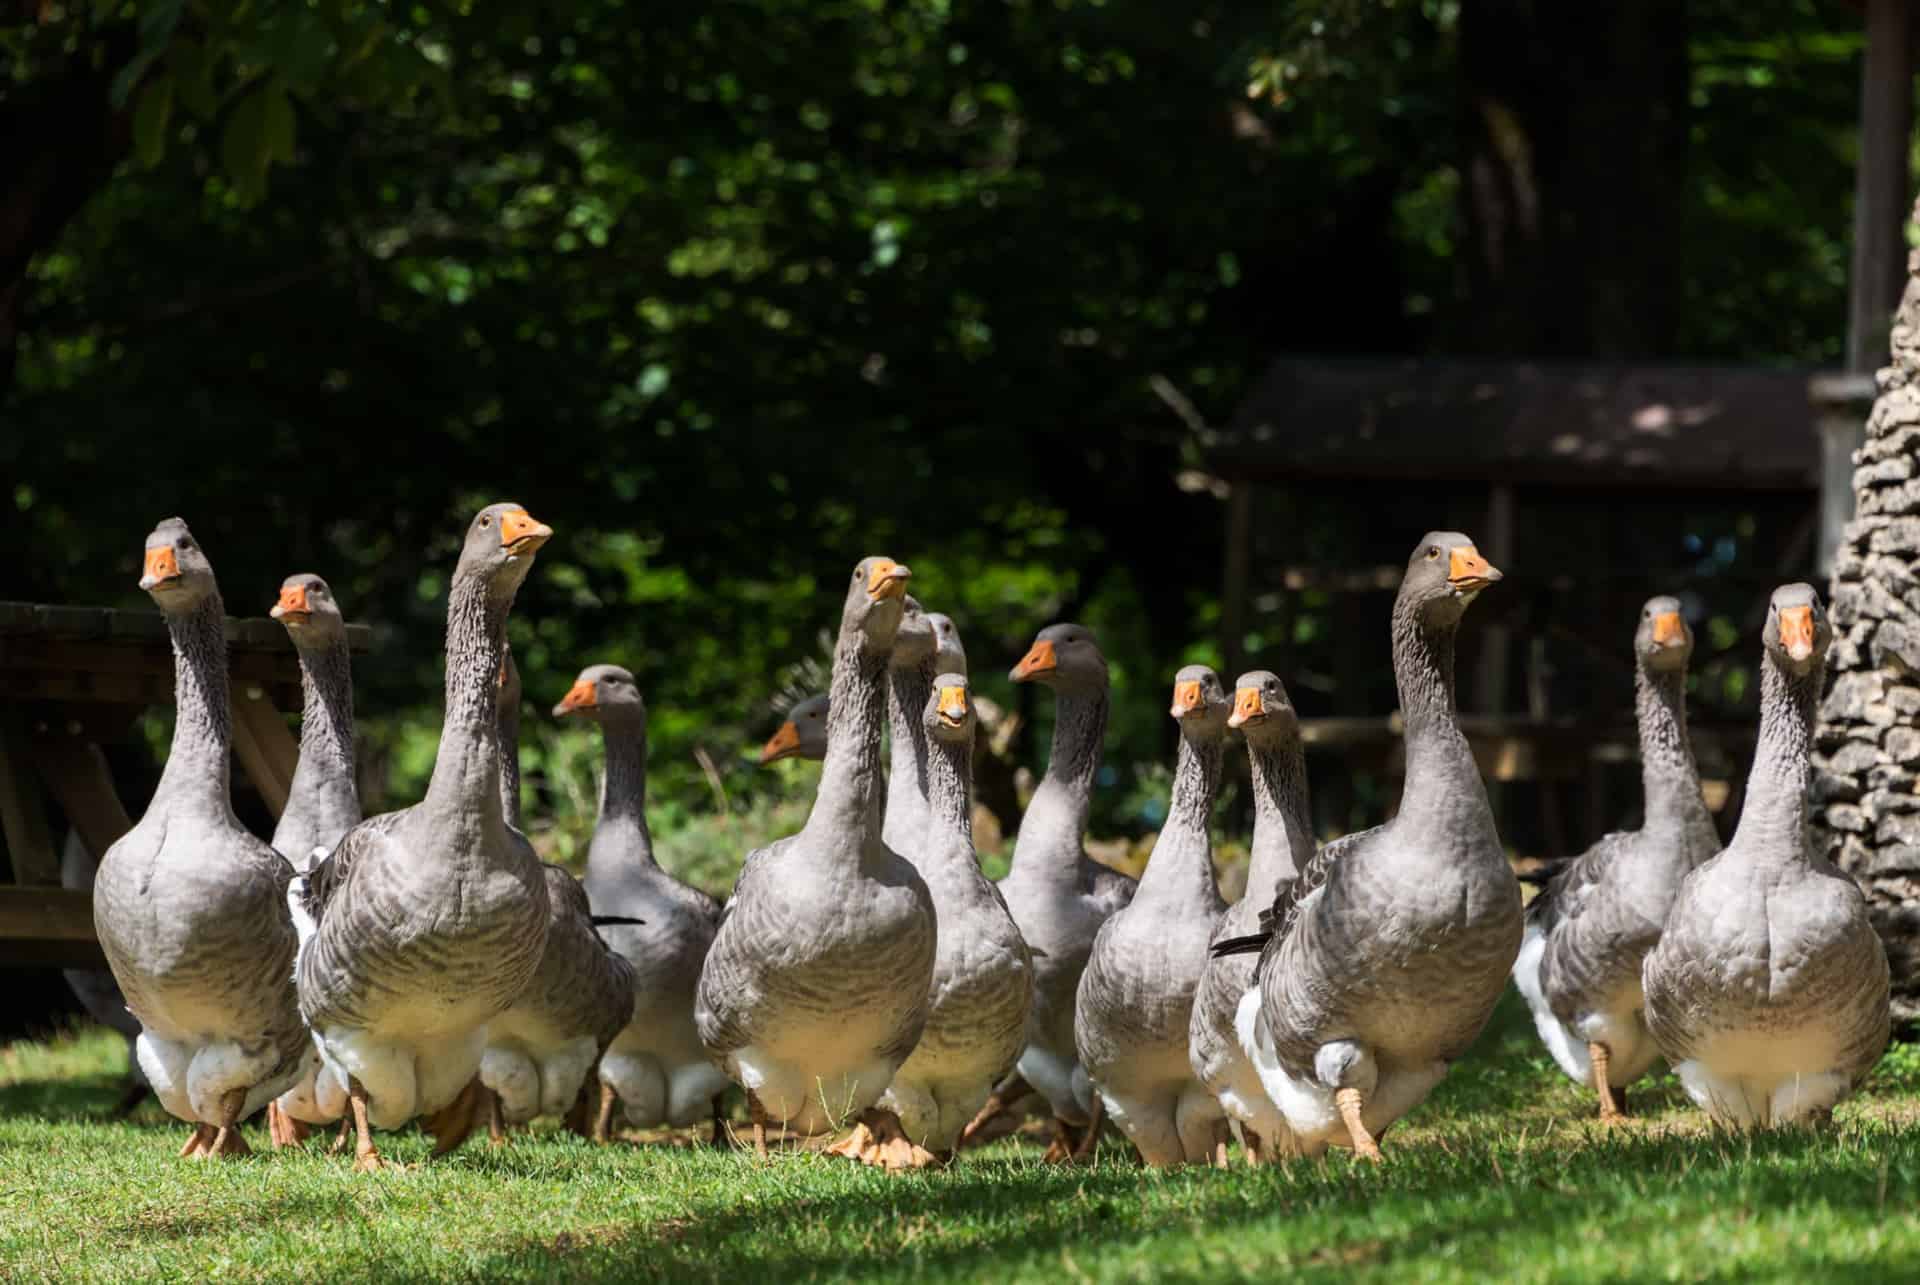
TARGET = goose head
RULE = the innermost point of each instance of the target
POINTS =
(1262, 710)
(1797, 631)
(949, 713)
(876, 601)
(176, 572)
(1662, 643)
(1200, 702)
(604, 694)
(802, 735)
(1063, 656)
(307, 608)
(500, 544)
(1444, 575)
(949, 657)
(914, 641)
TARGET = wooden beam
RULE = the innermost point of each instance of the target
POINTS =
(75, 772)
(266, 749)
(23, 818)
(1880, 197)
(46, 914)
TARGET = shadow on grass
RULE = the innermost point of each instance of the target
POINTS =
(1473, 1202)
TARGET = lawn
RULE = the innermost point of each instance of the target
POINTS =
(1499, 1176)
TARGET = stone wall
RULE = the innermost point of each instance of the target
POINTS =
(1867, 761)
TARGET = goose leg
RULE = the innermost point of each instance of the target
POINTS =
(340, 1137)
(282, 1129)
(451, 1124)
(1600, 1056)
(365, 1158)
(758, 1114)
(197, 1144)
(496, 1126)
(880, 1140)
(1222, 1134)
(1256, 1149)
(1089, 1139)
(226, 1139)
(1060, 1150)
(1364, 1147)
(719, 1120)
(603, 1121)
(1005, 1094)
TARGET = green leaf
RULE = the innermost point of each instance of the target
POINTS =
(277, 122)
(150, 118)
(243, 147)
(192, 65)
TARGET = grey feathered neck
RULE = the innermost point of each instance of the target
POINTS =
(1773, 821)
(907, 808)
(1669, 778)
(848, 801)
(1442, 782)
(1282, 821)
(324, 798)
(1052, 833)
(467, 768)
(950, 796)
(1182, 862)
(197, 776)
(623, 796)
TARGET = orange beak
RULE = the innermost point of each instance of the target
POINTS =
(1468, 571)
(520, 533)
(1247, 707)
(953, 705)
(782, 743)
(1667, 629)
(887, 579)
(1186, 698)
(1038, 660)
(293, 602)
(161, 566)
(1796, 631)
(582, 695)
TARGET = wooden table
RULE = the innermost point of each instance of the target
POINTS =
(74, 678)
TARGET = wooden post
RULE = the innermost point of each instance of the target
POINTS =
(23, 818)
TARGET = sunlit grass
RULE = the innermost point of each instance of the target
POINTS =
(1502, 1175)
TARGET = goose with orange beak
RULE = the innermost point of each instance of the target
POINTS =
(816, 987)
(431, 921)
(1597, 916)
(1768, 989)
(1135, 1002)
(190, 907)
(1381, 963)
(802, 733)
(1059, 896)
(655, 1072)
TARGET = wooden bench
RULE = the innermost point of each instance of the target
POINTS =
(74, 678)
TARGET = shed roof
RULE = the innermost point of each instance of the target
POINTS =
(1690, 427)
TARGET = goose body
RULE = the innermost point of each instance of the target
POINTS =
(1057, 894)
(1135, 1001)
(1387, 955)
(189, 906)
(430, 921)
(1590, 928)
(655, 1069)
(1768, 989)
(815, 989)
(1282, 847)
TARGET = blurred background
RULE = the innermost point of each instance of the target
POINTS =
(1183, 321)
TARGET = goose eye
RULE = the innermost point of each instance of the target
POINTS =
(486, 521)
(1433, 551)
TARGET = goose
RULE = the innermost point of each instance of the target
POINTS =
(1590, 927)
(541, 1050)
(1381, 964)
(903, 819)
(982, 973)
(323, 803)
(429, 921)
(1282, 847)
(190, 908)
(816, 987)
(656, 1070)
(1058, 895)
(802, 734)
(1135, 1001)
(1767, 991)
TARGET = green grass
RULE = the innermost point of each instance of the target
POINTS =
(1499, 1176)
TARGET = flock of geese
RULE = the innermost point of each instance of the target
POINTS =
(424, 965)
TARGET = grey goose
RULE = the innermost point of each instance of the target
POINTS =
(1768, 989)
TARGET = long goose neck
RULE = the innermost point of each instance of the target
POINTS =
(848, 801)
(1182, 862)
(508, 731)
(950, 800)
(1773, 821)
(1442, 781)
(1055, 823)
(623, 792)
(466, 770)
(1668, 776)
(197, 765)
(1282, 819)
(908, 687)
